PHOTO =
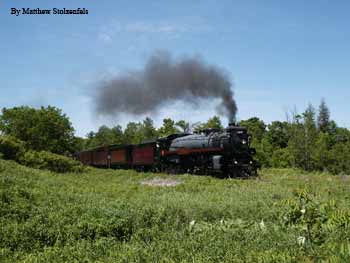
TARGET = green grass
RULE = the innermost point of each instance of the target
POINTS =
(108, 216)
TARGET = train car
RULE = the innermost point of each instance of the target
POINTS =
(100, 157)
(120, 156)
(144, 156)
(85, 157)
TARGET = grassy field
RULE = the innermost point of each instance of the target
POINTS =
(111, 216)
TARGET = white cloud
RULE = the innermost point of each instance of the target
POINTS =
(105, 37)
(168, 29)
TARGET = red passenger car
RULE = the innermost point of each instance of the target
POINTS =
(120, 155)
(85, 157)
(144, 154)
(100, 156)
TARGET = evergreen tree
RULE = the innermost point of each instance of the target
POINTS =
(148, 130)
(310, 136)
(296, 141)
(323, 119)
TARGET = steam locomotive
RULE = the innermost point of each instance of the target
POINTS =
(220, 152)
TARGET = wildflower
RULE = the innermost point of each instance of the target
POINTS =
(192, 223)
(221, 221)
(301, 240)
(262, 225)
(303, 211)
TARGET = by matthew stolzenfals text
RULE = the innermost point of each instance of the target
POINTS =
(53, 11)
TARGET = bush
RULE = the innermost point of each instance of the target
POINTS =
(50, 161)
(281, 158)
(11, 148)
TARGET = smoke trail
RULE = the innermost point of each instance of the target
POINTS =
(165, 80)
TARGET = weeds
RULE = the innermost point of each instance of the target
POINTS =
(109, 216)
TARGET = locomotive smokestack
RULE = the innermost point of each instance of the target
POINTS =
(232, 124)
(164, 80)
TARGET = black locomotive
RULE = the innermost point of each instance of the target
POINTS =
(225, 153)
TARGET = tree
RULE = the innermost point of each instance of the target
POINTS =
(296, 141)
(90, 141)
(255, 127)
(303, 136)
(212, 123)
(167, 128)
(117, 134)
(321, 154)
(104, 136)
(323, 119)
(278, 134)
(46, 129)
(148, 130)
(339, 158)
(132, 133)
(340, 135)
(78, 144)
(281, 158)
(264, 151)
(183, 125)
(310, 136)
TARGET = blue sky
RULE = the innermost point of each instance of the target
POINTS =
(280, 54)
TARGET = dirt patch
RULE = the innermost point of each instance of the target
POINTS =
(161, 182)
(345, 178)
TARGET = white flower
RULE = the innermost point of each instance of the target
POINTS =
(221, 221)
(303, 211)
(262, 225)
(192, 223)
(301, 240)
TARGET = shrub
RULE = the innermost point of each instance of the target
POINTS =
(50, 161)
(11, 148)
(281, 158)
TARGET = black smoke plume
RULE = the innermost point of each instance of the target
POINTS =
(164, 80)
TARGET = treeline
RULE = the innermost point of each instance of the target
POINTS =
(137, 132)
(310, 140)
